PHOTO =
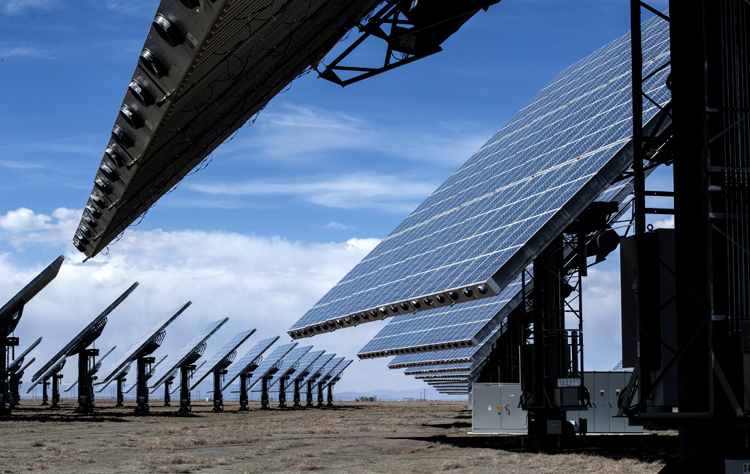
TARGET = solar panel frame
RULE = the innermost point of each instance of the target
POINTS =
(65, 351)
(178, 359)
(336, 376)
(220, 357)
(19, 360)
(303, 364)
(144, 341)
(383, 293)
(288, 363)
(317, 369)
(56, 367)
(438, 368)
(270, 363)
(14, 306)
(249, 361)
(444, 375)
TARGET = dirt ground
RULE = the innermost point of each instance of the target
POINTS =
(381, 437)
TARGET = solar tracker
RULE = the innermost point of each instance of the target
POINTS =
(147, 344)
(93, 370)
(317, 369)
(205, 69)
(116, 377)
(249, 362)
(185, 353)
(443, 375)
(11, 311)
(87, 335)
(270, 363)
(52, 373)
(438, 368)
(16, 363)
(14, 389)
(150, 373)
(289, 364)
(472, 236)
(306, 365)
(335, 376)
(222, 358)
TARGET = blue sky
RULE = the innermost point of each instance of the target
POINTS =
(289, 204)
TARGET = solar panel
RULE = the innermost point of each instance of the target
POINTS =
(143, 344)
(88, 335)
(306, 365)
(11, 311)
(16, 363)
(56, 367)
(466, 325)
(120, 373)
(184, 354)
(472, 236)
(289, 364)
(269, 363)
(438, 368)
(205, 69)
(335, 375)
(219, 359)
(249, 361)
(317, 369)
(443, 375)
(150, 373)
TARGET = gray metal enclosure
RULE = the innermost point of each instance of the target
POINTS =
(496, 408)
(604, 389)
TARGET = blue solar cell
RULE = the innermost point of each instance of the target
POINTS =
(249, 361)
(289, 364)
(218, 359)
(486, 223)
(268, 364)
(318, 368)
(335, 375)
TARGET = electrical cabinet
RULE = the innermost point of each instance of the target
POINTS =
(495, 408)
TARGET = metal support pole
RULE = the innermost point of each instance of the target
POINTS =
(282, 392)
(45, 398)
(120, 395)
(86, 362)
(218, 397)
(320, 394)
(167, 390)
(297, 397)
(243, 393)
(639, 186)
(5, 408)
(309, 403)
(264, 394)
(143, 365)
(185, 387)
(56, 378)
(330, 396)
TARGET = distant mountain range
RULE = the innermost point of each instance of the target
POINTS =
(389, 395)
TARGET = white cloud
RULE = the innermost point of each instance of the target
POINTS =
(13, 7)
(20, 165)
(602, 332)
(338, 226)
(353, 191)
(21, 51)
(667, 223)
(265, 283)
(296, 133)
(24, 226)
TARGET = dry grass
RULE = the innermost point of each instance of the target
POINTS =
(356, 437)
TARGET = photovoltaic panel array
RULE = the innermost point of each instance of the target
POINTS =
(289, 363)
(174, 362)
(303, 368)
(268, 364)
(469, 324)
(444, 375)
(430, 369)
(205, 69)
(57, 366)
(152, 371)
(219, 358)
(142, 344)
(15, 364)
(249, 361)
(11, 311)
(335, 375)
(87, 335)
(318, 368)
(472, 237)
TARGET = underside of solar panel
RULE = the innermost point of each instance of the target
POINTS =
(475, 234)
(205, 69)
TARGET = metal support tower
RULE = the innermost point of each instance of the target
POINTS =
(218, 396)
(120, 396)
(143, 373)
(264, 393)
(329, 403)
(708, 367)
(56, 379)
(167, 390)
(86, 362)
(45, 397)
(320, 394)
(6, 344)
(282, 391)
(297, 396)
(185, 373)
(244, 399)
(309, 397)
